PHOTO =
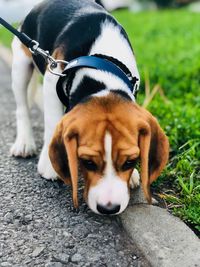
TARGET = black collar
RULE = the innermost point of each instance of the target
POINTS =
(123, 67)
(99, 62)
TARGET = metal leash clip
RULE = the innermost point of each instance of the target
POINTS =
(52, 63)
(34, 48)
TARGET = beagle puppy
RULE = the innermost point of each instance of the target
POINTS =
(104, 131)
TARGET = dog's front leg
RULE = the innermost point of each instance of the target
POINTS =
(22, 70)
(135, 179)
(53, 111)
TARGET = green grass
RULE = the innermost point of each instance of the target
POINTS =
(167, 47)
(5, 37)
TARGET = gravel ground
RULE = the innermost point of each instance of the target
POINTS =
(38, 226)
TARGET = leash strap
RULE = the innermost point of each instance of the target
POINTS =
(34, 47)
(27, 41)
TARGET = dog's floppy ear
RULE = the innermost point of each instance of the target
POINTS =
(70, 141)
(154, 152)
(58, 155)
(159, 150)
(63, 156)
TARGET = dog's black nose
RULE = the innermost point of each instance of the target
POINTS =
(108, 209)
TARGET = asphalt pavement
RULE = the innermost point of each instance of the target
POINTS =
(38, 226)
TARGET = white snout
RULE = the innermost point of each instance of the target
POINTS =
(111, 191)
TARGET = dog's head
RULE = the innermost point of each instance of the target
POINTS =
(108, 135)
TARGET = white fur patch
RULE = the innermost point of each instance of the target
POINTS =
(24, 145)
(111, 81)
(53, 111)
(35, 94)
(110, 189)
(113, 4)
(135, 179)
(111, 43)
(102, 93)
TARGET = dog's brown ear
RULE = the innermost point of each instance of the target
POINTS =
(58, 155)
(144, 144)
(63, 156)
(154, 152)
(159, 150)
(71, 147)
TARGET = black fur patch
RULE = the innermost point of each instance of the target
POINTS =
(85, 89)
(122, 94)
(73, 25)
(99, 2)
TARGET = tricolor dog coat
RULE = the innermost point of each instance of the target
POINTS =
(104, 130)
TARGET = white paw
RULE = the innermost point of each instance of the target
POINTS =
(45, 168)
(135, 179)
(23, 147)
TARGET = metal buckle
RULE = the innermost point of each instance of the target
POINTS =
(34, 47)
(53, 64)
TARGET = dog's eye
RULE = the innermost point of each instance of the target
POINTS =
(89, 164)
(129, 164)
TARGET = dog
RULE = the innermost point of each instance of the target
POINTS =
(104, 131)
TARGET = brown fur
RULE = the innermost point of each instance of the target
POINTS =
(59, 55)
(26, 51)
(135, 133)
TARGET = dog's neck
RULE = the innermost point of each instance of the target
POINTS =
(89, 82)
(96, 83)
(112, 42)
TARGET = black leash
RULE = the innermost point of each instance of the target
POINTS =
(27, 41)
(34, 48)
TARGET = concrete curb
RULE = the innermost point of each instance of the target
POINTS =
(164, 239)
